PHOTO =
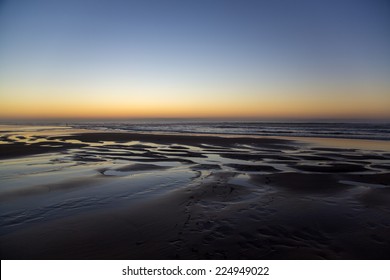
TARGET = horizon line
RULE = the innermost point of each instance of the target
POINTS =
(228, 119)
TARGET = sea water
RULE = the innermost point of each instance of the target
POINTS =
(348, 130)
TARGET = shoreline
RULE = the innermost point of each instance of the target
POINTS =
(356, 143)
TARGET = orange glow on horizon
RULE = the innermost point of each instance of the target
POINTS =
(165, 104)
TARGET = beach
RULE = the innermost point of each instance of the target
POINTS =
(71, 193)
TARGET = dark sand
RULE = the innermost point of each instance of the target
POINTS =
(85, 195)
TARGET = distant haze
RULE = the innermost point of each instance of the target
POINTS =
(230, 59)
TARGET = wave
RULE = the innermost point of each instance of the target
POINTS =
(372, 131)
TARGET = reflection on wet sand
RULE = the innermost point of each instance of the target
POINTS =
(101, 195)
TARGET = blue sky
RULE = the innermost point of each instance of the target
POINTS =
(189, 51)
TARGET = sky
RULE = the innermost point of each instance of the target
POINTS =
(214, 58)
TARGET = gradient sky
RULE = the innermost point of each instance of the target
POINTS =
(231, 58)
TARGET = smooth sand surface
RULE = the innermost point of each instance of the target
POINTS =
(68, 194)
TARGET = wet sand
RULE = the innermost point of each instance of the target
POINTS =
(72, 194)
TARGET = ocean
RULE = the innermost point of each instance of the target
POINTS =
(346, 130)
